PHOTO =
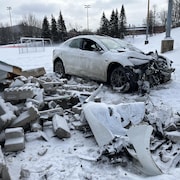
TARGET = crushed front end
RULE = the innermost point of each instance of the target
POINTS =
(151, 72)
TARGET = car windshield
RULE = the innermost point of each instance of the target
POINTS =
(115, 44)
(109, 43)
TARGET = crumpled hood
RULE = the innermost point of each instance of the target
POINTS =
(136, 58)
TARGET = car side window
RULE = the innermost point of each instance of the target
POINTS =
(75, 43)
(89, 45)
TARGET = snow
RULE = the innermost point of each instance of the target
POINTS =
(74, 158)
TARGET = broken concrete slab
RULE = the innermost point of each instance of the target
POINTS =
(14, 139)
(79, 87)
(60, 127)
(140, 136)
(50, 87)
(112, 119)
(31, 136)
(7, 114)
(26, 117)
(17, 83)
(173, 136)
(37, 72)
(94, 94)
(4, 172)
(46, 114)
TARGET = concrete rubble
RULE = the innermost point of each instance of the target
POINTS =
(45, 106)
(14, 139)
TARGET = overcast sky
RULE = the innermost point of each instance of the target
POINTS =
(74, 12)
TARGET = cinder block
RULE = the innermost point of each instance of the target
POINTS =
(60, 127)
(18, 93)
(14, 139)
(25, 118)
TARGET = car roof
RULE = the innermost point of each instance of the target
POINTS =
(95, 37)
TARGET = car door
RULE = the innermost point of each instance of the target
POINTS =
(71, 57)
(93, 62)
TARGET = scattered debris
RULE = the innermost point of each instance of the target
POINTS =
(39, 108)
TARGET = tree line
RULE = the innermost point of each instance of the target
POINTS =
(115, 26)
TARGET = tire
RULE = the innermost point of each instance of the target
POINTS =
(124, 79)
(59, 68)
(118, 77)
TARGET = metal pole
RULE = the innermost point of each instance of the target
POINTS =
(147, 26)
(9, 9)
(169, 19)
(87, 7)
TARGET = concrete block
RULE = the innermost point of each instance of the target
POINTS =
(37, 72)
(18, 93)
(60, 127)
(25, 118)
(167, 45)
(14, 139)
(4, 172)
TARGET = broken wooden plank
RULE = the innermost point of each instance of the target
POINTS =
(8, 71)
(10, 68)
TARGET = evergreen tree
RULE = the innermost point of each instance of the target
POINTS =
(112, 24)
(104, 24)
(54, 32)
(113, 27)
(116, 24)
(122, 23)
(61, 27)
(45, 28)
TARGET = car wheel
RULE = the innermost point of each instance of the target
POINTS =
(118, 77)
(59, 68)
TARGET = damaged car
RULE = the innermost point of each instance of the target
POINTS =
(111, 60)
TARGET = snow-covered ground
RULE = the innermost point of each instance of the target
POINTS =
(73, 158)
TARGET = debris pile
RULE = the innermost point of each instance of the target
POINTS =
(36, 106)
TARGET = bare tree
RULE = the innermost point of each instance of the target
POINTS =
(30, 26)
(163, 17)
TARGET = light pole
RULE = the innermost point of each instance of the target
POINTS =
(9, 9)
(147, 26)
(169, 19)
(168, 43)
(87, 7)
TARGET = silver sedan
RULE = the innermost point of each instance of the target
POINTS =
(110, 60)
